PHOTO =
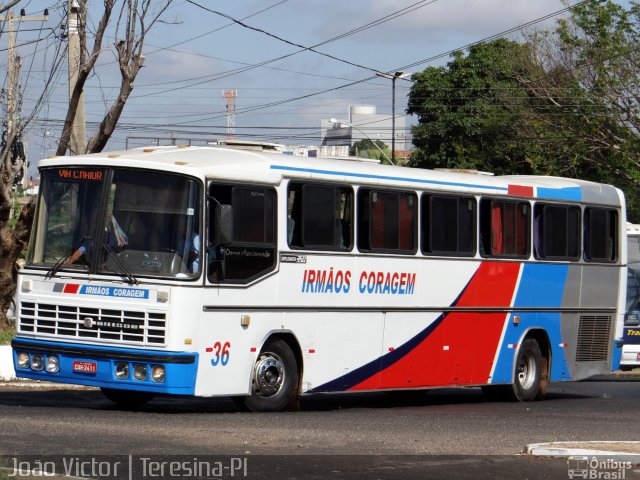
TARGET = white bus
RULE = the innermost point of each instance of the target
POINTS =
(631, 338)
(213, 271)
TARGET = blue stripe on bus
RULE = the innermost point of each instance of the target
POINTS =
(569, 193)
(541, 285)
(385, 177)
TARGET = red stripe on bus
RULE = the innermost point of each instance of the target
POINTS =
(472, 338)
(71, 288)
(520, 191)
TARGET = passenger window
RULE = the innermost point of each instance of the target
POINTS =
(387, 221)
(448, 225)
(242, 226)
(504, 228)
(600, 238)
(556, 232)
(319, 217)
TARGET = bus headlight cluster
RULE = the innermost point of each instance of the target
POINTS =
(140, 371)
(39, 362)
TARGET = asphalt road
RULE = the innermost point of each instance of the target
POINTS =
(433, 435)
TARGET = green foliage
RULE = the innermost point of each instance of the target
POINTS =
(7, 334)
(564, 102)
(367, 148)
(463, 118)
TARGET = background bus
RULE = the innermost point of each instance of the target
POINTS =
(213, 271)
(631, 349)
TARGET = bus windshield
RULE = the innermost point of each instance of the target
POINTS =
(120, 222)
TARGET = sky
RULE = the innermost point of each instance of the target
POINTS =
(283, 90)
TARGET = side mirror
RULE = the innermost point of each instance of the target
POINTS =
(224, 224)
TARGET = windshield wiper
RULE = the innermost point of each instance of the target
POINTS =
(124, 271)
(63, 260)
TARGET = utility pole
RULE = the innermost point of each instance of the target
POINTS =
(13, 71)
(78, 139)
(394, 77)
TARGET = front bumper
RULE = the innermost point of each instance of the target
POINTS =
(180, 367)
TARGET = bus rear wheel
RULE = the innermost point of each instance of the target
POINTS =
(528, 372)
(529, 379)
(127, 398)
(274, 379)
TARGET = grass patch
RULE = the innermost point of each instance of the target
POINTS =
(7, 334)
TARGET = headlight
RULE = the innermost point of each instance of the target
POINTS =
(122, 370)
(140, 371)
(23, 360)
(53, 364)
(157, 373)
(37, 362)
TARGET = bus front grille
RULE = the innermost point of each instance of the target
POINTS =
(593, 338)
(127, 326)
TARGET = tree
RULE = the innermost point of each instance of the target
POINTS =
(586, 88)
(134, 20)
(469, 112)
(563, 102)
(367, 148)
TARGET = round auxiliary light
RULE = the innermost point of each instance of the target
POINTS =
(122, 370)
(23, 360)
(157, 373)
(140, 371)
(53, 364)
(37, 362)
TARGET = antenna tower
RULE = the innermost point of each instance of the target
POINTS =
(230, 95)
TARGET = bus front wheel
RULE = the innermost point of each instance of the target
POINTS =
(274, 379)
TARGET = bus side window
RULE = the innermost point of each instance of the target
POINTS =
(318, 216)
(241, 232)
(504, 228)
(556, 232)
(600, 237)
(448, 225)
(387, 221)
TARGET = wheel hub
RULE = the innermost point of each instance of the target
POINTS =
(268, 375)
(526, 371)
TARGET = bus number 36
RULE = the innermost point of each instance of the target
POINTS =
(220, 353)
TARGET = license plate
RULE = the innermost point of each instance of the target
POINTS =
(85, 367)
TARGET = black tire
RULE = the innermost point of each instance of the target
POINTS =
(274, 380)
(127, 398)
(528, 372)
(626, 368)
(530, 378)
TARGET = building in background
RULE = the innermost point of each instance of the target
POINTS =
(365, 123)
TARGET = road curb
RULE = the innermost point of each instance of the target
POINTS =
(628, 449)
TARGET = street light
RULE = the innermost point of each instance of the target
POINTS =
(338, 124)
(393, 78)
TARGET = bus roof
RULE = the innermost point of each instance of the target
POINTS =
(270, 167)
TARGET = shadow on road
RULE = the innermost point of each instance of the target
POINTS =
(93, 399)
